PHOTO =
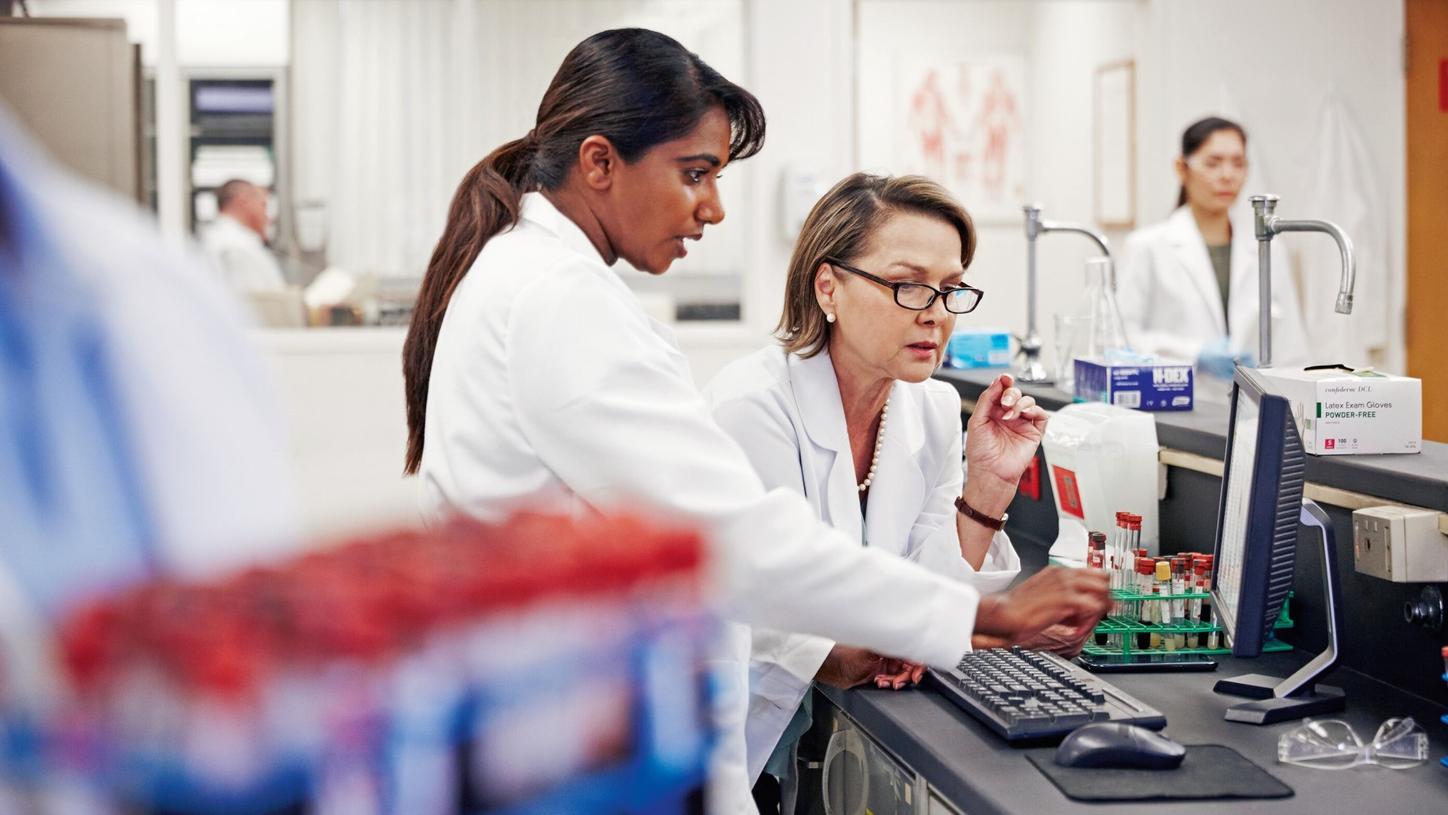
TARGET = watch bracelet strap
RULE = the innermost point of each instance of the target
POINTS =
(980, 517)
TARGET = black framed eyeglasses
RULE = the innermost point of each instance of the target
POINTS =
(918, 296)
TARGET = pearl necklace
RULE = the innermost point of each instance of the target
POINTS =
(879, 437)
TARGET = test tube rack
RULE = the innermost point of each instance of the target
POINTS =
(1125, 627)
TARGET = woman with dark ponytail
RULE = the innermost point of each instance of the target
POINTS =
(535, 378)
(1188, 286)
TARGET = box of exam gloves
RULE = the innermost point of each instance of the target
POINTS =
(1342, 411)
(1144, 383)
(979, 348)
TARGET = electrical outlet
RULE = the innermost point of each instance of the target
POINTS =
(1401, 544)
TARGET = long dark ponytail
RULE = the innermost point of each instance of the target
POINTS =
(635, 87)
(1197, 134)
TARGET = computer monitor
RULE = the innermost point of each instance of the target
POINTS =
(1258, 516)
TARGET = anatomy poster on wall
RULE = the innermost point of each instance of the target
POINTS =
(962, 123)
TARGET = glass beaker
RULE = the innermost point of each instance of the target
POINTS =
(1072, 334)
(1107, 333)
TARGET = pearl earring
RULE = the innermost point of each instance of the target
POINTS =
(829, 318)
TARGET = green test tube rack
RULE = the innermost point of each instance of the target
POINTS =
(1126, 627)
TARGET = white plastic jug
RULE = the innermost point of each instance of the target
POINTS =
(1101, 459)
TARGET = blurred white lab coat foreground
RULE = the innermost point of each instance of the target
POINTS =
(785, 411)
(245, 262)
(551, 387)
(186, 391)
(1171, 305)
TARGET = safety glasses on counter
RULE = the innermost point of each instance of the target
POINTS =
(1331, 744)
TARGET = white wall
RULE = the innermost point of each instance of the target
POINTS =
(209, 33)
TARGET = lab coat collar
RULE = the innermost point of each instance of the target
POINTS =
(1191, 251)
(899, 488)
(538, 210)
(897, 478)
(817, 393)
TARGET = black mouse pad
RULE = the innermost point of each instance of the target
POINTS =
(1208, 771)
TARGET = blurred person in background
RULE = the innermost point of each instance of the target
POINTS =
(1187, 287)
(236, 240)
(534, 377)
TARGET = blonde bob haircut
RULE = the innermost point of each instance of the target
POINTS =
(840, 226)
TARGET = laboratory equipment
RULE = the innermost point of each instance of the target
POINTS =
(1331, 744)
(1267, 225)
(1101, 459)
(1031, 369)
(363, 678)
(1033, 695)
(1259, 511)
(1105, 333)
(1123, 746)
(1105, 663)
(1071, 336)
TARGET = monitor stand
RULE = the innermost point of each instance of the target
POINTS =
(1299, 695)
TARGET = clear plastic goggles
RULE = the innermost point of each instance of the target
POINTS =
(1330, 744)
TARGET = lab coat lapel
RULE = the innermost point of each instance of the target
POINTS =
(898, 491)
(1190, 250)
(817, 394)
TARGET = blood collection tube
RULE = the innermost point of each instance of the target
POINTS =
(1143, 608)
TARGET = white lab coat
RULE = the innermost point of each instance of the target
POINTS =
(1171, 305)
(786, 413)
(194, 397)
(551, 387)
(241, 256)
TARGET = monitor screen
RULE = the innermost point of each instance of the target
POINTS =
(1241, 466)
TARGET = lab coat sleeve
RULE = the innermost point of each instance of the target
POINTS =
(1136, 281)
(610, 406)
(783, 663)
(934, 540)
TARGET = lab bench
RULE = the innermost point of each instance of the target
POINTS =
(922, 754)
(1377, 641)
(916, 740)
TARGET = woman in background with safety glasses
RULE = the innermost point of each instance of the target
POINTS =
(1187, 287)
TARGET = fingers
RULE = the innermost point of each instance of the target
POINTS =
(986, 404)
(981, 642)
(894, 675)
(1017, 404)
(917, 674)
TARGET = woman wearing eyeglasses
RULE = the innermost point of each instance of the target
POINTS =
(1187, 287)
(845, 411)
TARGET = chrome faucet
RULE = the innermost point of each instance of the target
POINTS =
(1031, 368)
(1267, 226)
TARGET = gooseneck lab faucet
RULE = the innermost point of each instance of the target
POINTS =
(1031, 369)
(1267, 226)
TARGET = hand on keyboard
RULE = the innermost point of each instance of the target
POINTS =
(1077, 598)
(1062, 640)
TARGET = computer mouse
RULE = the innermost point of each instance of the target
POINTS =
(1122, 746)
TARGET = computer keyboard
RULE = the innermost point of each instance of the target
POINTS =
(1035, 696)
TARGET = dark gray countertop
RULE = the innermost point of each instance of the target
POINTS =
(980, 773)
(1420, 480)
